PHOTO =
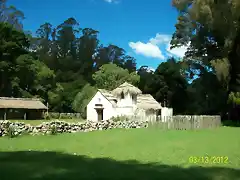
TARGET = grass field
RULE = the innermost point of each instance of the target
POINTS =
(141, 154)
(37, 122)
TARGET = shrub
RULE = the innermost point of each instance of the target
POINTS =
(120, 118)
(47, 116)
(66, 116)
(54, 115)
(12, 131)
(53, 129)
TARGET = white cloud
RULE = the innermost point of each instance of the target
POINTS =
(151, 69)
(148, 49)
(152, 47)
(178, 51)
(160, 39)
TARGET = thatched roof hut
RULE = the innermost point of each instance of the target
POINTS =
(126, 88)
(21, 103)
(146, 102)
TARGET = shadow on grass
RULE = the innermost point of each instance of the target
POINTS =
(26, 165)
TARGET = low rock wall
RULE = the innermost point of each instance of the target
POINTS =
(19, 128)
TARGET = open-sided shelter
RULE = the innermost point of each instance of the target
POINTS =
(21, 108)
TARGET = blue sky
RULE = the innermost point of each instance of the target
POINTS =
(142, 27)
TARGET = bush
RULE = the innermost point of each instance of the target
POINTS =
(12, 131)
(56, 115)
(47, 116)
(66, 116)
(120, 118)
(53, 115)
(53, 129)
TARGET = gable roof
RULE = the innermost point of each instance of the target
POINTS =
(21, 103)
(109, 96)
(146, 101)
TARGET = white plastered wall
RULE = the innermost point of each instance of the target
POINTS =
(108, 110)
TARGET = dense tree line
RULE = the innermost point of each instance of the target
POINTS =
(64, 65)
(211, 29)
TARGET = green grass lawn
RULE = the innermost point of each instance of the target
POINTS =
(141, 154)
(37, 122)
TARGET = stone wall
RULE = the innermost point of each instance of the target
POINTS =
(53, 127)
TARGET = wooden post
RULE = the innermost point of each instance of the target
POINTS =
(25, 115)
(5, 114)
(47, 108)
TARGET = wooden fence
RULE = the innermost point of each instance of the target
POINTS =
(187, 122)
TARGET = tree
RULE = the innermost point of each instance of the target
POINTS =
(82, 99)
(59, 48)
(13, 43)
(170, 86)
(211, 29)
(116, 55)
(87, 45)
(11, 15)
(129, 63)
(44, 33)
(21, 74)
(209, 26)
(66, 37)
(34, 77)
(75, 55)
(111, 76)
(234, 82)
(206, 95)
(146, 76)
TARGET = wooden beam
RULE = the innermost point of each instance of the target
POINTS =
(5, 114)
(25, 115)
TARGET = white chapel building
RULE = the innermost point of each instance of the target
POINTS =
(125, 100)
